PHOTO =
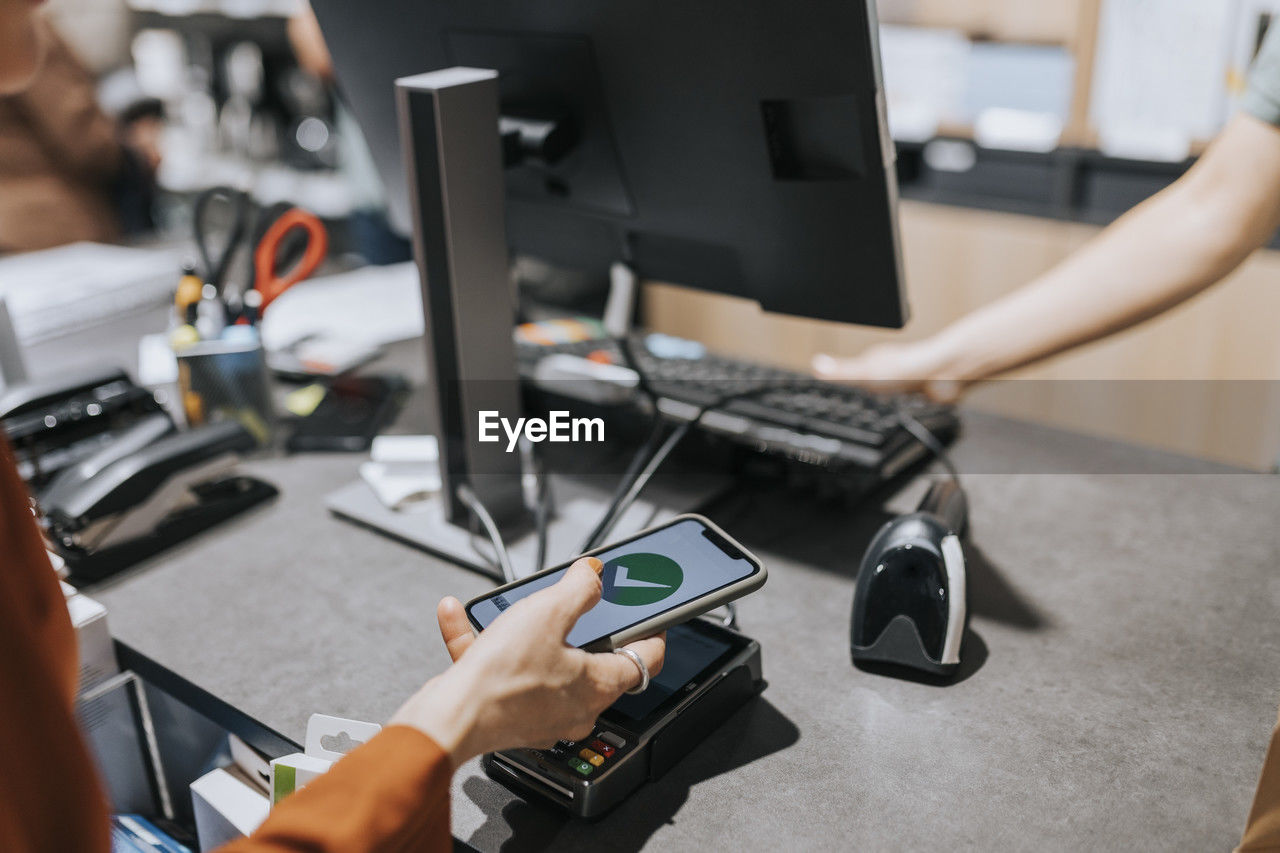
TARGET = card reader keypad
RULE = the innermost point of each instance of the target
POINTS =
(589, 755)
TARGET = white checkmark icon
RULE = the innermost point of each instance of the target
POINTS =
(620, 578)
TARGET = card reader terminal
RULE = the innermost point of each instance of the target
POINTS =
(709, 673)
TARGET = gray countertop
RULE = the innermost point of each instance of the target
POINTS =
(1120, 680)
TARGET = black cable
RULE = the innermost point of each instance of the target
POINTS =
(932, 443)
(621, 504)
(628, 355)
(645, 452)
(628, 490)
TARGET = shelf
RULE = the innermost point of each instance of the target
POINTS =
(1072, 184)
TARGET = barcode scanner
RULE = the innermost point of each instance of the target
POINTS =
(909, 601)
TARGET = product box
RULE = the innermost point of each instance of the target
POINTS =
(328, 739)
(294, 771)
(227, 806)
(93, 640)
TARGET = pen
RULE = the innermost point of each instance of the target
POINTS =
(188, 295)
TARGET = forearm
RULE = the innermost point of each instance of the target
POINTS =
(1160, 254)
(1155, 257)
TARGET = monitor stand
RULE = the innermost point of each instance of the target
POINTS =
(578, 502)
(449, 122)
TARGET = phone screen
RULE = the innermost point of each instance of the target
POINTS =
(643, 577)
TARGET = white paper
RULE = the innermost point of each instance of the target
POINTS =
(371, 305)
(405, 448)
(399, 485)
(62, 290)
(1162, 67)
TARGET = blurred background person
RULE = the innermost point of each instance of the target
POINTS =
(371, 231)
(68, 171)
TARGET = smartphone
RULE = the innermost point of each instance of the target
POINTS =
(657, 578)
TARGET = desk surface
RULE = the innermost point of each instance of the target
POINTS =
(1120, 677)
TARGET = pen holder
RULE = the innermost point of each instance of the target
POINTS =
(228, 379)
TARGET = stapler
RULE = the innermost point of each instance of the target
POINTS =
(144, 493)
(56, 422)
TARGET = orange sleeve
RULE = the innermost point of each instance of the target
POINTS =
(1263, 829)
(52, 799)
(390, 794)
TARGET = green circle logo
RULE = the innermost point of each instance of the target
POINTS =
(635, 579)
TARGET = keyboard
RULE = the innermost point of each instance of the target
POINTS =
(769, 409)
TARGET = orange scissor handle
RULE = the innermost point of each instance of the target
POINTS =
(266, 279)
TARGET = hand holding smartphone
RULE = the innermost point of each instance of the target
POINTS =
(653, 580)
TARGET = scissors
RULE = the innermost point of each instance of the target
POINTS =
(282, 236)
(216, 268)
(267, 278)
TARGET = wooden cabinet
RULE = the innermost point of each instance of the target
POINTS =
(1002, 20)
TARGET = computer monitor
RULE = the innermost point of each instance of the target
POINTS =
(739, 147)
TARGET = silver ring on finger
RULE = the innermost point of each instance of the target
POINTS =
(640, 665)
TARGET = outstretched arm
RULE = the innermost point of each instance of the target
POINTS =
(1160, 254)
